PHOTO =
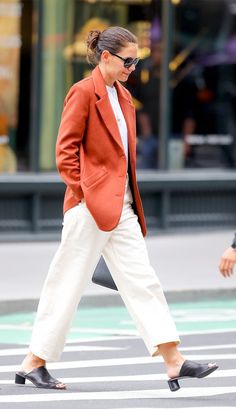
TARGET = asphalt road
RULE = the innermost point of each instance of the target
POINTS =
(105, 364)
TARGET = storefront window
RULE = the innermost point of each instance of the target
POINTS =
(10, 42)
(202, 66)
(64, 53)
(204, 70)
(202, 87)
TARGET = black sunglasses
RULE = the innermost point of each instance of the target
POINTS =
(127, 61)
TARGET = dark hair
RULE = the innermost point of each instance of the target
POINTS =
(111, 39)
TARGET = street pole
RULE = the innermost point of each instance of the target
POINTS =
(165, 91)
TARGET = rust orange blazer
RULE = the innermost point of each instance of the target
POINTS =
(90, 155)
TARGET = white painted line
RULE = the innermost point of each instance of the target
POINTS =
(84, 348)
(151, 377)
(117, 395)
(204, 319)
(89, 363)
(193, 315)
(120, 337)
(112, 331)
(128, 378)
(120, 361)
(75, 348)
(115, 331)
(210, 347)
(95, 339)
(209, 331)
(21, 327)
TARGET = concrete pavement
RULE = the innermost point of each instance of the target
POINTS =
(185, 262)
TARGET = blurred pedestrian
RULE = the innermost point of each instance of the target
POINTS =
(145, 85)
(228, 260)
(103, 216)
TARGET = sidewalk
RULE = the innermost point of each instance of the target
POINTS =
(186, 264)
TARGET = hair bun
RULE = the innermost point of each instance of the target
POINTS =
(93, 38)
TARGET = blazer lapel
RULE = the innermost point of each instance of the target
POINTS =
(129, 115)
(104, 107)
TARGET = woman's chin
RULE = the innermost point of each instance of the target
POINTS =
(124, 76)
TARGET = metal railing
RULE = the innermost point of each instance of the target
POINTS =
(32, 203)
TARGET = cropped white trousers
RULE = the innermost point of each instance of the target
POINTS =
(124, 250)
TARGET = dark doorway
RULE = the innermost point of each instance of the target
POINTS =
(23, 129)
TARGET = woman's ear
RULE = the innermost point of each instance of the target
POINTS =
(105, 56)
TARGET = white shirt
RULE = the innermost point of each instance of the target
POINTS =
(113, 97)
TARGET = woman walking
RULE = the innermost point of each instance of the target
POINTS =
(103, 215)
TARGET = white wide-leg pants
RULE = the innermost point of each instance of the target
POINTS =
(124, 250)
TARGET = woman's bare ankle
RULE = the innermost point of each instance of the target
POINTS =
(172, 357)
(173, 368)
(31, 362)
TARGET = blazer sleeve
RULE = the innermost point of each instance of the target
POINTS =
(70, 136)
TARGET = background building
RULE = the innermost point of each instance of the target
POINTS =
(186, 119)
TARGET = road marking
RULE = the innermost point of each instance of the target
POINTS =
(119, 361)
(227, 373)
(89, 363)
(127, 337)
(73, 330)
(75, 348)
(203, 347)
(208, 331)
(98, 339)
(137, 394)
(182, 333)
(198, 318)
(200, 315)
(84, 348)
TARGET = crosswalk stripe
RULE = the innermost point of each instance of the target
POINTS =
(128, 378)
(100, 338)
(74, 348)
(208, 347)
(130, 337)
(117, 395)
(120, 361)
(208, 331)
(84, 348)
(112, 331)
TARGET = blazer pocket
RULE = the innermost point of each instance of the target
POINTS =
(95, 177)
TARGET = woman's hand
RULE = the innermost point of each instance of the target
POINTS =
(227, 262)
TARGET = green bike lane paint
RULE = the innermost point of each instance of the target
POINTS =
(106, 322)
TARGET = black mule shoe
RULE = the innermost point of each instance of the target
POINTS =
(191, 369)
(40, 377)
